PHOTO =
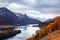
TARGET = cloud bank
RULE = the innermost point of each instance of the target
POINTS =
(35, 8)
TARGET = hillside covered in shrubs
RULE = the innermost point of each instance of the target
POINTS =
(48, 30)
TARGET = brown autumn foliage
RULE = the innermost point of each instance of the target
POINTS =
(56, 36)
(47, 30)
(6, 26)
(53, 36)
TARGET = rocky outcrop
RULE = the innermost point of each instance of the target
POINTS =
(47, 30)
(8, 33)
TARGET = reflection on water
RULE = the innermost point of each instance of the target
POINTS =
(27, 32)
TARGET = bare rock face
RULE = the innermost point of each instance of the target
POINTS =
(8, 33)
(47, 30)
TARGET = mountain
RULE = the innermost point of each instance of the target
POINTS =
(8, 17)
(47, 22)
(27, 20)
(52, 27)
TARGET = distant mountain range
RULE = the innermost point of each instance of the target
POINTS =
(9, 18)
(47, 22)
(25, 19)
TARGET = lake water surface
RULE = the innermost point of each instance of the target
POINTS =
(27, 32)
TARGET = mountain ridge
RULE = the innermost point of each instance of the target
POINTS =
(8, 17)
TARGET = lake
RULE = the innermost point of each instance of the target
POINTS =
(27, 31)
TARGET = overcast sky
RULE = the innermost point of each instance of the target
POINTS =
(34, 8)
